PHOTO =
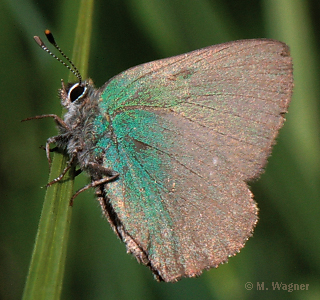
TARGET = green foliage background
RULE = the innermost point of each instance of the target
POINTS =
(286, 243)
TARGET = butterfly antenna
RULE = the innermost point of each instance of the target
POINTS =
(52, 41)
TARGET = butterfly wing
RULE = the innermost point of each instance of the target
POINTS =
(186, 133)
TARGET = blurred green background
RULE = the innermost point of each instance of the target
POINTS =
(286, 243)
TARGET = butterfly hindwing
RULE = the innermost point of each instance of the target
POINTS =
(186, 133)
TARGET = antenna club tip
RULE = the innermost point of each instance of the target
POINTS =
(38, 41)
(49, 36)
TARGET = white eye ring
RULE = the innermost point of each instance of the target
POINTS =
(79, 95)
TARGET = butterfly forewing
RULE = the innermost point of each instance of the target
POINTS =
(187, 133)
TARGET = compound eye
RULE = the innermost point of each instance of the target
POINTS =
(76, 92)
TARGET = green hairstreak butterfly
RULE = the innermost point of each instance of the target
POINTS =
(170, 145)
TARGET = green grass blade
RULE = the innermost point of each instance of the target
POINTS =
(301, 134)
(45, 277)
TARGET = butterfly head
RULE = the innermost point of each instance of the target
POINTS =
(72, 92)
(75, 93)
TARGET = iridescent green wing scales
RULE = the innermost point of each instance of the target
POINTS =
(187, 132)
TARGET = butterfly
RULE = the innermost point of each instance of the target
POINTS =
(171, 144)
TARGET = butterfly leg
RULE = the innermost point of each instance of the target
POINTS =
(69, 165)
(54, 149)
(53, 140)
(58, 120)
(98, 169)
